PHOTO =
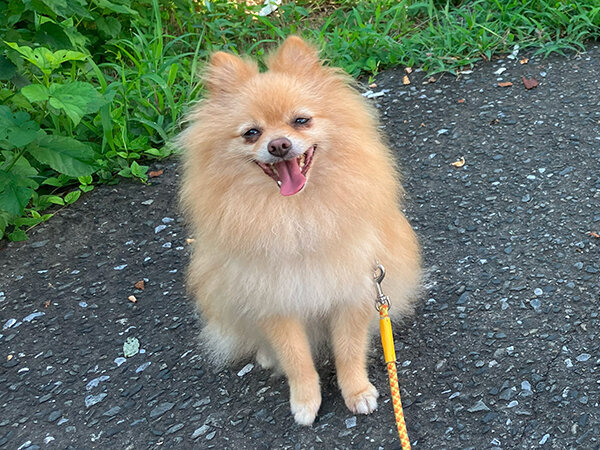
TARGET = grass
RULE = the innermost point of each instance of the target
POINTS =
(139, 59)
(365, 36)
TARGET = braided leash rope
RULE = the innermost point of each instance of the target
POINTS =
(382, 304)
(388, 351)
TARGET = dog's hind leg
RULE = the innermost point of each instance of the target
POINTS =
(265, 357)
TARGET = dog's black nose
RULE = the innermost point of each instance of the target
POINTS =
(279, 147)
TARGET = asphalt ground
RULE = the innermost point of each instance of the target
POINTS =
(503, 351)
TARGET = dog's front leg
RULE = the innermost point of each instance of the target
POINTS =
(350, 336)
(288, 338)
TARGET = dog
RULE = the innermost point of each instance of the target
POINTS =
(292, 196)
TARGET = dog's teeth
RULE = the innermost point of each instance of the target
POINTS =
(278, 183)
(301, 160)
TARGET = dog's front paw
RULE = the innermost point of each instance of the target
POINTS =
(364, 401)
(305, 402)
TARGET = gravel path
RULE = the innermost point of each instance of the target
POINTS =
(504, 351)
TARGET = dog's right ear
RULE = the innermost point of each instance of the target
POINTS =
(294, 56)
(225, 72)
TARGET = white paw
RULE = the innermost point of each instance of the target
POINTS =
(265, 359)
(305, 412)
(363, 402)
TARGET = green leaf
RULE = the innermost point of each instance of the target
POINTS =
(138, 171)
(76, 99)
(35, 92)
(64, 154)
(53, 181)
(17, 100)
(139, 143)
(45, 59)
(125, 172)
(5, 220)
(51, 35)
(15, 192)
(54, 199)
(58, 7)
(7, 68)
(44, 19)
(17, 129)
(27, 221)
(72, 197)
(17, 235)
(110, 6)
(109, 26)
(19, 167)
(153, 152)
(85, 180)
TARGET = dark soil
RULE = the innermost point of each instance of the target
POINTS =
(503, 351)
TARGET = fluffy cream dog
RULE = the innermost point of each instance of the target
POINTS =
(292, 196)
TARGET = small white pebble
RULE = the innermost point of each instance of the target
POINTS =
(120, 360)
(9, 323)
(568, 363)
(142, 367)
(247, 368)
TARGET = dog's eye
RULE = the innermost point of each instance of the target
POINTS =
(252, 134)
(301, 120)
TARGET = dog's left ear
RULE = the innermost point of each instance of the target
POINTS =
(294, 55)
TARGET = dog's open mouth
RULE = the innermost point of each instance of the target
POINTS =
(290, 174)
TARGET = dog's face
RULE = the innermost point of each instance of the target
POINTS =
(279, 130)
(281, 120)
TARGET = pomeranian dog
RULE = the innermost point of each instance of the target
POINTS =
(292, 197)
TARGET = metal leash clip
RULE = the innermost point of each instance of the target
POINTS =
(382, 299)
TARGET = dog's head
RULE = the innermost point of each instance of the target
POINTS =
(284, 122)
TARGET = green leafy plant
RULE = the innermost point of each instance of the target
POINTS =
(71, 117)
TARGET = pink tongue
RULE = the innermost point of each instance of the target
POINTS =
(290, 176)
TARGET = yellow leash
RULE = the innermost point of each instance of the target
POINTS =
(387, 340)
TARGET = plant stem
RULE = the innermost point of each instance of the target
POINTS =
(15, 159)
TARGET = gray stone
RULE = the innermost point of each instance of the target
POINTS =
(54, 415)
(161, 409)
(112, 411)
(200, 431)
(92, 400)
(174, 429)
(478, 407)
